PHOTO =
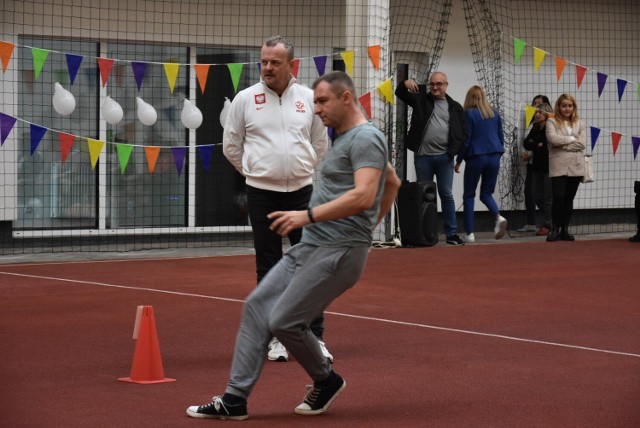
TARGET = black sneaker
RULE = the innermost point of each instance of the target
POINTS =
(319, 398)
(218, 409)
(635, 238)
(454, 240)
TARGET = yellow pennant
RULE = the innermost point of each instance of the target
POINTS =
(348, 57)
(95, 148)
(172, 74)
(386, 89)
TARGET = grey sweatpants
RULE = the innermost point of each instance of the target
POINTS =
(294, 292)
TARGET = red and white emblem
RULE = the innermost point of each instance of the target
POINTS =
(260, 99)
(300, 107)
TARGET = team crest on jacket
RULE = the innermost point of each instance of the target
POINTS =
(260, 98)
(300, 107)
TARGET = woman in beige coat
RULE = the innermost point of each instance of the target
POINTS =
(566, 135)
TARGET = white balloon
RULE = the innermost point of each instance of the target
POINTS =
(225, 111)
(191, 115)
(146, 113)
(63, 101)
(111, 111)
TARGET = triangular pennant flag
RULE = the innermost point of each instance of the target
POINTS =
(580, 72)
(39, 58)
(6, 50)
(622, 84)
(235, 70)
(529, 112)
(179, 153)
(602, 80)
(321, 63)
(295, 68)
(518, 48)
(205, 155)
(124, 154)
(560, 63)
(615, 141)
(348, 58)
(365, 102)
(538, 58)
(386, 89)
(152, 153)
(202, 73)
(66, 143)
(635, 141)
(37, 132)
(6, 124)
(171, 70)
(595, 133)
(73, 64)
(374, 55)
(95, 148)
(138, 71)
(105, 65)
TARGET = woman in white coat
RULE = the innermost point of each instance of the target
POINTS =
(566, 135)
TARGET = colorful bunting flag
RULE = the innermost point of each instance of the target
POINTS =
(73, 64)
(95, 148)
(321, 63)
(124, 154)
(138, 71)
(171, 70)
(37, 132)
(386, 89)
(348, 58)
(6, 125)
(365, 102)
(560, 63)
(518, 48)
(206, 153)
(374, 55)
(66, 143)
(6, 50)
(296, 67)
(538, 58)
(105, 65)
(622, 84)
(529, 113)
(152, 153)
(235, 70)
(202, 73)
(179, 153)
(602, 80)
(635, 141)
(615, 141)
(595, 133)
(39, 58)
(580, 72)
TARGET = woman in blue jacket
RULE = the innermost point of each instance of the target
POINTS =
(482, 152)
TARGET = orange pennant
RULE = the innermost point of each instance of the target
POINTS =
(374, 55)
(560, 63)
(152, 157)
(615, 139)
(105, 65)
(202, 72)
(580, 71)
(66, 143)
(365, 102)
(6, 50)
(296, 68)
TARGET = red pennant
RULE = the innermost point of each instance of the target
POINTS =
(365, 102)
(105, 65)
(66, 143)
(296, 67)
(615, 139)
(580, 71)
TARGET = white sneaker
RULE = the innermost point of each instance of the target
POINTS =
(469, 239)
(325, 351)
(277, 351)
(501, 227)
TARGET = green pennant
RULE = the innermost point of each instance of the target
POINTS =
(236, 71)
(518, 47)
(124, 153)
(39, 58)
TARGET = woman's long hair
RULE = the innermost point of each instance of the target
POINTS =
(558, 114)
(477, 99)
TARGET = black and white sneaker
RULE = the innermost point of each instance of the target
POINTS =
(218, 409)
(318, 398)
(454, 240)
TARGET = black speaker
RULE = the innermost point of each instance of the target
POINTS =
(418, 214)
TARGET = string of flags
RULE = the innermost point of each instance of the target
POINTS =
(539, 56)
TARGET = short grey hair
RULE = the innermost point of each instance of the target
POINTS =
(272, 41)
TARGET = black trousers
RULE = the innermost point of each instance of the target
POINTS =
(564, 191)
(266, 242)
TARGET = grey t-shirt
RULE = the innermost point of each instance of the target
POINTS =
(361, 146)
(436, 137)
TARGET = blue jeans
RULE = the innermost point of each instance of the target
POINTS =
(477, 167)
(442, 167)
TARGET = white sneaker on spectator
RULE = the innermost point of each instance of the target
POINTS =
(325, 351)
(277, 351)
(501, 227)
(469, 239)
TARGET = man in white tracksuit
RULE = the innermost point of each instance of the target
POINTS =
(273, 138)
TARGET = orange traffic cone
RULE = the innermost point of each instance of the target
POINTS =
(147, 362)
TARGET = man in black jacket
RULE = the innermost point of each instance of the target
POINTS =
(437, 134)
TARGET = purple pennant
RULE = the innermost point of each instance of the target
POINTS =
(635, 141)
(6, 125)
(321, 63)
(73, 64)
(179, 153)
(138, 71)
(37, 132)
(602, 80)
(622, 84)
(205, 155)
(595, 133)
